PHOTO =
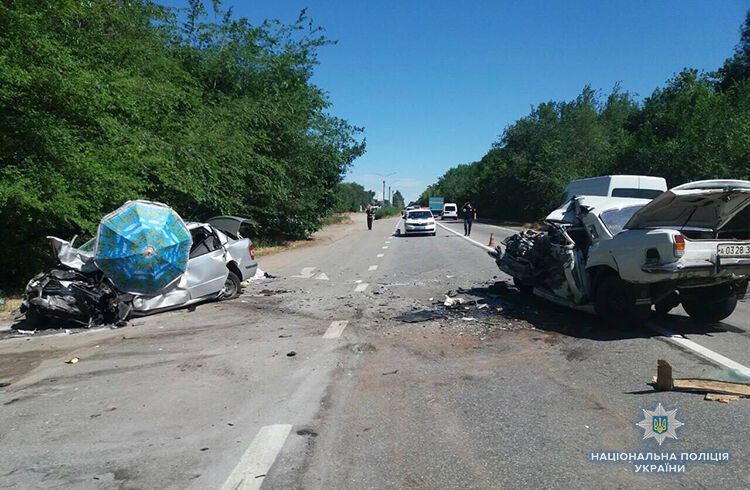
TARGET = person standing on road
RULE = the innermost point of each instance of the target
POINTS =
(370, 216)
(470, 214)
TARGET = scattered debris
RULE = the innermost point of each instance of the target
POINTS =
(715, 388)
(73, 360)
(420, 316)
(307, 432)
(284, 336)
(390, 372)
(291, 353)
(721, 398)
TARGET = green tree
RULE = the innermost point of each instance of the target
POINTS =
(398, 200)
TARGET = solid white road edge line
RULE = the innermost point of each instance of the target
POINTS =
(466, 238)
(258, 458)
(361, 287)
(704, 352)
(336, 329)
(372, 268)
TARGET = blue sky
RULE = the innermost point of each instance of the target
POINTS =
(435, 82)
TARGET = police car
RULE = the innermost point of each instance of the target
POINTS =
(419, 221)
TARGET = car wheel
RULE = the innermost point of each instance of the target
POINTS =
(614, 302)
(232, 287)
(711, 311)
(523, 288)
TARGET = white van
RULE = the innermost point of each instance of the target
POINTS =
(450, 210)
(633, 186)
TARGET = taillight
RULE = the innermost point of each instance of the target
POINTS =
(679, 245)
(251, 249)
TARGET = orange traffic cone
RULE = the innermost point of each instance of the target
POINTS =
(492, 243)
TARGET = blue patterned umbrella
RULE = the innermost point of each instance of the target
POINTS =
(142, 246)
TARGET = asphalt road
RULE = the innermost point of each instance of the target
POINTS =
(517, 394)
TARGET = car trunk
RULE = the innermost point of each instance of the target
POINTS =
(701, 210)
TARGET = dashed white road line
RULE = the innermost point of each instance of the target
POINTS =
(258, 458)
(372, 268)
(336, 329)
(668, 335)
(467, 238)
(704, 352)
(379, 256)
(361, 287)
(384, 247)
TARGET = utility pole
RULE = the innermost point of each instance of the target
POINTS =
(389, 195)
(383, 203)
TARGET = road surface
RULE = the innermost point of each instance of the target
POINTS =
(313, 380)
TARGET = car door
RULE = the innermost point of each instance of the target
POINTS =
(206, 270)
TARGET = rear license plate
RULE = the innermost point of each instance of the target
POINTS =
(733, 250)
(419, 227)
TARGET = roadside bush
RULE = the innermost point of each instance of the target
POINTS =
(387, 212)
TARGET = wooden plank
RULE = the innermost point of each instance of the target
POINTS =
(716, 397)
(711, 386)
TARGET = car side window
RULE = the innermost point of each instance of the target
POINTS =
(203, 242)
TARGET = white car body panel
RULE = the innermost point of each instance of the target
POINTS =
(629, 186)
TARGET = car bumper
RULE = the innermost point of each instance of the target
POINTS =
(419, 229)
(697, 273)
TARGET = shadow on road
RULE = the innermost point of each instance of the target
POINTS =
(549, 317)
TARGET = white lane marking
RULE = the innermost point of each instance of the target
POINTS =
(358, 281)
(387, 243)
(699, 349)
(321, 277)
(386, 246)
(372, 268)
(306, 273)
(467, 238)
(361, 287)
(258, 458)
(379, 256)
(336, 329)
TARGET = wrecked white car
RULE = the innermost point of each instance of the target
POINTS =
(76, 290)
(618, 257)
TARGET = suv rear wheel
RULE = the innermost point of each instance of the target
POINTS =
(711, 307)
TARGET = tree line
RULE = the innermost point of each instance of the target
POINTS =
(103, 102)
(697, 126)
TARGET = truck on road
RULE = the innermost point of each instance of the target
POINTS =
(436, 205)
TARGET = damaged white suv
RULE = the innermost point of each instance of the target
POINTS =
(619, 256)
